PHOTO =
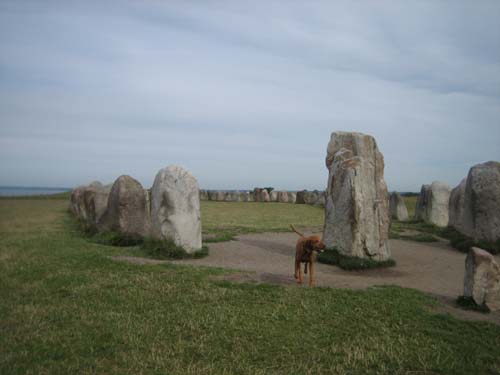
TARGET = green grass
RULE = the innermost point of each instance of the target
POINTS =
(225, 220)
(332, 256)
(66, 307)
(429, 232)
(411, 203)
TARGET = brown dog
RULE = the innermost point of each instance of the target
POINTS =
(304, 253)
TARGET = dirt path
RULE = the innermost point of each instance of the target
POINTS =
(434, 268)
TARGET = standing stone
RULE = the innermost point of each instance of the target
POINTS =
(422, 201)
(397, 207)
(300, 197)
(127, 209)
(357, 208)
(264, 196)
(292, 197)
(282, 196)
(232, 196)
(481, 217)
(212, 195)
(433, 204)
(321, 199)
(77, 205)
(457, 205)
(203, 195)
(220, 196)
(257, 194)
(273, 196)
(482, 279)
(245, 196)
(175, 208)
(95, 199)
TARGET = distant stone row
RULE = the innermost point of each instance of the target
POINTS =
(170, 210)
(263, 195)
(472, 208)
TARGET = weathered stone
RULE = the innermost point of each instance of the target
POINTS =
(203, 195)
(77, 205)
(127, 209)
(264, 196)
(292, 197)
(282, 197)
(212, 195)
(311, 197)
(422, 201)
(321, 198)
(95, 198)
(273, 196)
(220, 196)
(481, 216)
(482, 279)
(397, 207)
(245, 196)
(300, 197)
(457, 205)
(257, 194)
(175, 208)
(232, 196)
(433, 204)
(357, 208)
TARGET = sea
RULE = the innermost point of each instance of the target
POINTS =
(16, 191)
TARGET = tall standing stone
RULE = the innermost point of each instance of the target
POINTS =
(397, 207)
(127, 209)
(282, 197)
(175, 208)
(457, 205)
(481, 217)
(292, 197)
(95, 199)
(273, 196)
(433, 204)
(422, 201)
(357, 208)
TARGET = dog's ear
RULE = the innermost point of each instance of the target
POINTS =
(308, 244)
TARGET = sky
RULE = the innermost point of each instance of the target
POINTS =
(245, 93)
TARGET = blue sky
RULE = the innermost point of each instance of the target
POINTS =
(245, 93)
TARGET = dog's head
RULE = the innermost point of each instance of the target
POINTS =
(314, 243)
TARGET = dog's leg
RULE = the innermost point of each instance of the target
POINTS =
(311, 271)
(300, 273)
(297, 266)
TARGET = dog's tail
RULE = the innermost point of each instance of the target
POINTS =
(296, 231)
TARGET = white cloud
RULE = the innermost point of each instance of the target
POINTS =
(245, 94)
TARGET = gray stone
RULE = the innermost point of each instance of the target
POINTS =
(95, 198)
(273, 196)
(397, 207)
(292, 197)
(433, 204)
(282, 197)
(175, 208)
(357, 208)
(127, 209)
(264, 196)
(300, 197)
(481, 217)
(482, 279)
(457, 205)
(203, 195)
(421, 206)
(220, 196)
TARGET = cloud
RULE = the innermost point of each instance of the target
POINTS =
(245, 94)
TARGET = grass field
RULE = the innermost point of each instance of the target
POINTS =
(67, 308)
